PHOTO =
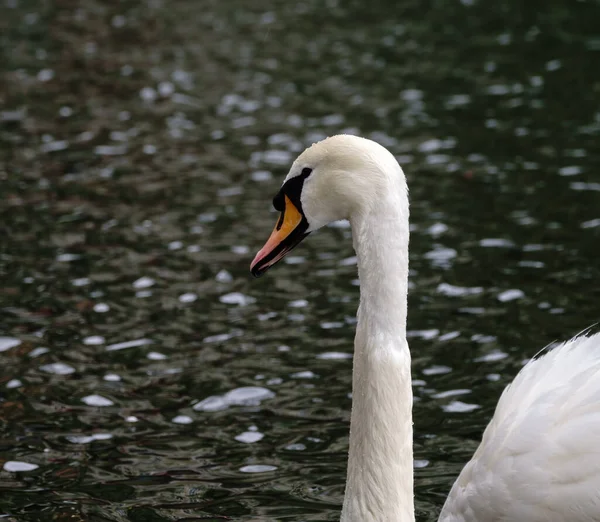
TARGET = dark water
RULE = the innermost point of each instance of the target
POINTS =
(145, 376)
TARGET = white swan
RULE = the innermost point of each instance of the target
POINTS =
(539, 460)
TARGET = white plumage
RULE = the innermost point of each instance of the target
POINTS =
(539, 460)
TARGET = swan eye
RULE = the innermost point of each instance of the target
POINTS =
(291, 188)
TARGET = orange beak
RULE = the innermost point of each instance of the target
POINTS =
(289, 231)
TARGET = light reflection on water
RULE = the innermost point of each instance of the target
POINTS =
(146, 377)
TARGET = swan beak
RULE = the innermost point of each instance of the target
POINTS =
(288, 232)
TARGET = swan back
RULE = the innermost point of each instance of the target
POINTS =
(539, 459)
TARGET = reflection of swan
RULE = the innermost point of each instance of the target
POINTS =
(539, 460)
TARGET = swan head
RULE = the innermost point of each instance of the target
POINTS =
(338, 178)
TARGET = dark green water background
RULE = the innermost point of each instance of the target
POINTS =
(144, 376)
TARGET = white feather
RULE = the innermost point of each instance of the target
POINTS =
(539, 459)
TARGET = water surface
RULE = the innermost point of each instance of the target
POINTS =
(145, 376)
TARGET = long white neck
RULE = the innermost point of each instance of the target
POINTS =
(380, 467)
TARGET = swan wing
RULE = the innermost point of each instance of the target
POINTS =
(539, 459)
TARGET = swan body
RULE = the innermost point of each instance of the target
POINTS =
(539, 460)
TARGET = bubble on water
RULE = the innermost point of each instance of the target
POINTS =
(118, 21)
(437, 229)
(331, 325)
(261, 175)
(6, 343)
(65, 111)
(457, 100)
(36, 352)
(175, 245)
(245, 121)
(230, 191)
(87, 439)
(143, 282)
(306, 374)
(423, 334)
(430, 145)
(441, 256)
(493, 242)
(437, 369)
(156, 356)
(182, 419)
(45, 75)
(257, 468)
(15, 466)
(166, 89)
(585, 186)
(273, 157)
(592, 223)
(96, 400)
(449, 336)
(148, 94)
(16, 115)
(333, 120)
(110, 150)
(219, 338)
(494, 356)
(188, 297)
(297, 446)
(504, 38)
(128, 344)
(460, 407)
(571, 170)
(349, 261)
(450, 393)
(298, 303)
(67, 258)
(294, 260)
(510, 295)
(213, 403)
(58, 368)
(237, 298)
(223, 276)
(249, 437)
(458, 291)
(245, 396)
(483, 339)
(93, 340)
(334, 355)
(183, 78)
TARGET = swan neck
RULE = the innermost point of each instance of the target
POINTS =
(381, 243)
(380, 464)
